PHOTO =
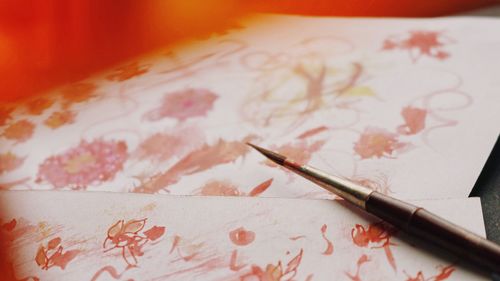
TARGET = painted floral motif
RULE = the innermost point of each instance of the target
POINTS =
(376, 235)
(274, 272)
(127, 72)
(9, 162)
(126, 236)
(54, 255)
(445, 272)
(39, 105)
(420, 43)
(375, 142)
(19, 131)
(355, 276)
(226, 188)
(241, 237)
(88, 163)
(60, 118)
(329, 245)
(414, 120)
(77, 93)
(184, 104)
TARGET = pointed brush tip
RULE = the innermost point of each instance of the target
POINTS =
(273, 156)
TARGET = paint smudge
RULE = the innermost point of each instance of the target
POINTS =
(274, 272)
(9, 226)
(362, 260)
(19, 131)
(125, 236)
(219, 188)
(111, 271)
(300, 151)
(9, 162)
(376, 142)
(445, 273)
(60, 118)
(202, 159)
(329, 245)
(77, 93)
(233, 262)
(127, 72)
(54, 255)
(39, 105)
(259, 189)
(378, 234)
(183, 104)
(88, 163)
(420, 43)
(5, 114)
(414, 120)
(312, 132)
(161, 147)
(295, 238)
(241, 237)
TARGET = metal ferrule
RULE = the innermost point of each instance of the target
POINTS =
(346, 189)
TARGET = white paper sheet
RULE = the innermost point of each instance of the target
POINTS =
(109, 236)
(407, 107)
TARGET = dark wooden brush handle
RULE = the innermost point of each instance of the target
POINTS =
(424, 224)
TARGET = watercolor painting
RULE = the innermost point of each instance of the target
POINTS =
(142, 237)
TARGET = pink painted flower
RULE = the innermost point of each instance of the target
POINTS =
(375, 142)
(184, 104)
(420, 43)
(88, 163)
(414, 120)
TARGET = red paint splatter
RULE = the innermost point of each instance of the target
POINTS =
(378, 234)
(154, 232)
(128, 71)
(9, 162)
(312, 132)
(9, 226)
(219, 188)
(301, 151)
(420, 43)
(39, 105)
(295, 238)
(362, 260)
(60, 118)
(162, 147)
(329, 245)
(274, 272)
(414, 120)
(125, 236)
(259, 189)
(19, 131)
(202, 159)
(232, 263)
(241, 237)
(88, 163)
(375, 142)
(54, 255)
(77, 93)
(183, 104)
(445, 272)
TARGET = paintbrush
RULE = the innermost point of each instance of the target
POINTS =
(410, 218)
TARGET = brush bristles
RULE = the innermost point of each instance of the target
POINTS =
(271, 155)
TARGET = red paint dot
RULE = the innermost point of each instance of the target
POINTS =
(241, 237)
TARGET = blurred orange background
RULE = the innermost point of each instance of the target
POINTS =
(49, 42)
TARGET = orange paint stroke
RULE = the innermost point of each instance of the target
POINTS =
(241, 237)
(111, 271)
(60, 118)
(9, 162)
(376, 142)
(378, 234)
(219, 188)
(362, 260)
(39, 105)
(232, 263)
(300, 152)
(199, 160)
(19, 131)
(329, 245)
(312, 132)
(54, 255)
(445, 273)
(77, 93)
(256, 191)
(128, 71)
(9, 226)
(295, 238)
(175, 243)
(154, 232)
